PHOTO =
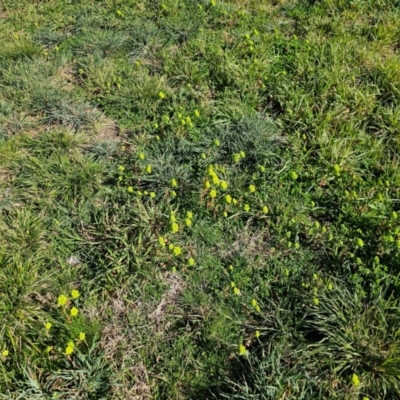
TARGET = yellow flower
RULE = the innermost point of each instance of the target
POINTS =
(161, 241)
(254, 302)
(316, 301)
(336, 169)
(213, 193)
(234, 201)
(69, 350)
(173, 193)
(74, 312)
(293, 175)
(48, 326)
(172, 217)
(257, 307)
(174, 227)
(197, 113)
(224, 185)
(152, 195)
(236, 291)
(177, 251)
(191, 261)
(246, 208)
(189, 214)
(188, 222)
(141, 156)
(121, 168)
(215, 179)
(207, 184)
(252, 188)
(228, 198)
(356, 380)
(75, 293)
(130, 189)
(216, 142)
(5, 353)
(265, 209)
(149, 169)
(161, 95)
(225, 214)
(62, 300)
(236, 157)
(82, 336)
(174, 183)
(242, 154)
(257, 334)
(360, 243)
(262, 168)
(242, 350)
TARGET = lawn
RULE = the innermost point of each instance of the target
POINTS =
(200, 199)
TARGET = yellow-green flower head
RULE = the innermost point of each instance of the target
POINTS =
(188, 120)
(191, 261)
(177, 251)
(246, 208)
(213, 193)
(257, 334)
(355, 380)
(197, 113)
(82, 336)
(224, 185)
(242, 350)
(174, 227)
(215, 179)
(207, 184)
(316, 301)
(130, 189)
(149, 169)
(217, 142)
(141, 156)
(62, 300)
(360, 242)
(74, 312)
(69, 350)
(261, 168)
(203, 156)
(139, 193)
(265, 209)
(152, 195)
(242, 154)
(5, 353)
(188, 222)
(236, 291)
(254, 302)
(161, 241)
(336, 169)
(252, 188)
(228, 199)
(172, 217)
(161, 95)
(189, 214)
(121, 168)
(174, 183)
(173, 193)
(171, 246)
(225, 214)
(236, 157)
(234, 201)
(75, 293)
(48, 326)
(293, 175)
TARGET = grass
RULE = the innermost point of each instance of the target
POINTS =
(199, 200)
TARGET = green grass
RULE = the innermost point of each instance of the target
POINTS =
(219, 181)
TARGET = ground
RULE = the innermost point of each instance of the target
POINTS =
(199, 199)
